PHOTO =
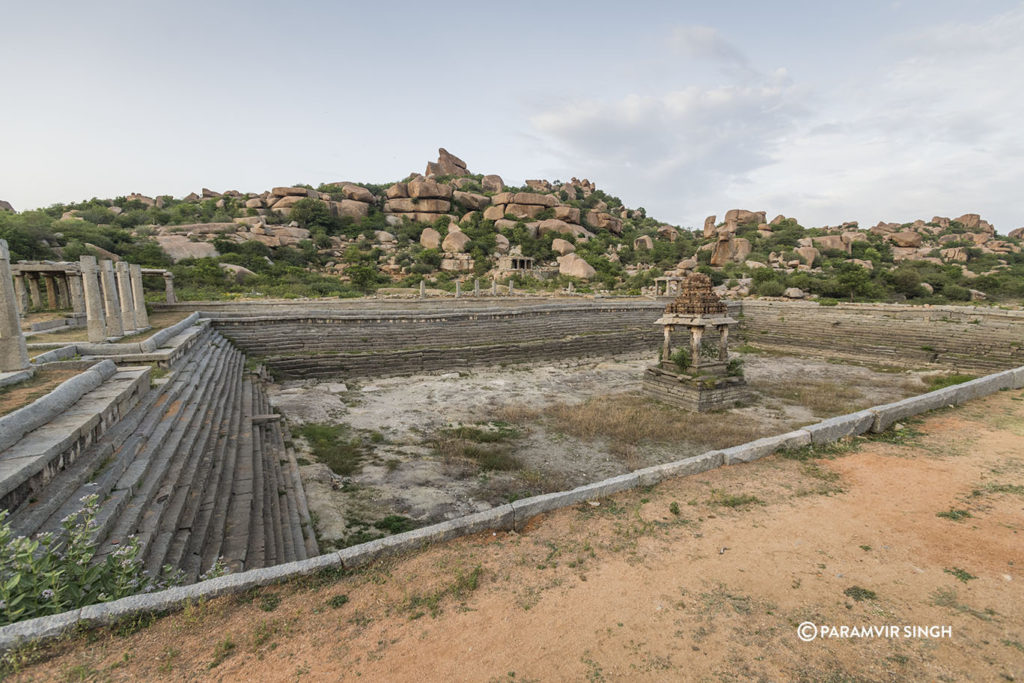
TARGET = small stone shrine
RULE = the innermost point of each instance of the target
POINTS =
(699, 377)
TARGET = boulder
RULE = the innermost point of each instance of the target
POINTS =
(455, 242)
(687, 264)
(709, 226)
(807, 254)
(239, 273)
(290, 235)
(356, 192)
(971, 221)
(210, 194)
(447, 164)
(562, 247)
(428, 189)
(539, 185)
(643, 242)
(884, 228)
(492, 183)
(501, 244)
(907, 238)
(191, 197)
(563, 228)
(599, 220)
(495, 213)
(350, 208)
(407, 205)
(532, 199)
(476, 202)
(180, 247)
(570, 214)
(383, 237)
(397, 191)
(430, 238)
(574, 266)
(667, 232)
(254, 203)
(793, 293)
(831, 242)
(777, 220)
(1017, 234)
(294, 192)
(524, 210)
(957, 254)
(754, 265)
(868, 265)
(729, 248)
(927, 287)
(504, 224)
(468, 217)
(287, 202)
(744, 217)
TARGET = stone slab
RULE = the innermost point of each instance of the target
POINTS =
(890, 413)
(836, 428)
(755, 450)
(527, 508)
(680, 468)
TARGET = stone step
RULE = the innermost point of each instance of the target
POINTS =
(188, 480)
(205, 536)
(136, 490)
(194, 518)
(237, 539)
(98, 471)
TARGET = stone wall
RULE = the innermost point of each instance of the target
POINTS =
(373, 343)
(967, 338)
(367, 339)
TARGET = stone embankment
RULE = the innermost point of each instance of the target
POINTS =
(194, 467)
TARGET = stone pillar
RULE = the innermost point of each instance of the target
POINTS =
(63, 295)
(458, 288)
(36, 301)
(696, 333)
(13, 354)
(511, 288)
(571, 288)
(20, 294)
(423, 289)
(169, 287)
(494, 288)
(95, 319)
(111, 305)
(77, 295)
(138, 296)
(124, 296)
(476, 287)
(666, 347)
(723, 345)
(51, 291)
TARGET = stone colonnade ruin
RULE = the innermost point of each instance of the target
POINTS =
(108, 297)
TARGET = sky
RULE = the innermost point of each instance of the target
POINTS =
(828, 112)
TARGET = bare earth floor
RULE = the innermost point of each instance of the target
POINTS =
(561, 425)
(921, 529)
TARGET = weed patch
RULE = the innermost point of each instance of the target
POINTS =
(860, 594)
(331, 447)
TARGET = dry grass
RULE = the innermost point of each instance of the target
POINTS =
(628, 420)
(825, 398)
(40, 384)
(157, 321)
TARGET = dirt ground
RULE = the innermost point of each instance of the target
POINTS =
(570, 423)
(157, 322)
(19, 395)
(702, 578)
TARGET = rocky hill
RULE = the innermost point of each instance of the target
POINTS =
(449, 223)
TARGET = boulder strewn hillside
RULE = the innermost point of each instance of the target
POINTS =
(345, 238)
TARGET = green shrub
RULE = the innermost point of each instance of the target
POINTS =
(55, 572)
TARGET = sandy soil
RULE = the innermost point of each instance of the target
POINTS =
(404, 474)
(625, 589)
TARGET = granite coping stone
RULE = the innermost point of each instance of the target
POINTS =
(650, 476)
(836, 428)
(755, 450)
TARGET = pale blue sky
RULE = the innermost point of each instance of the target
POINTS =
(824, 111)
